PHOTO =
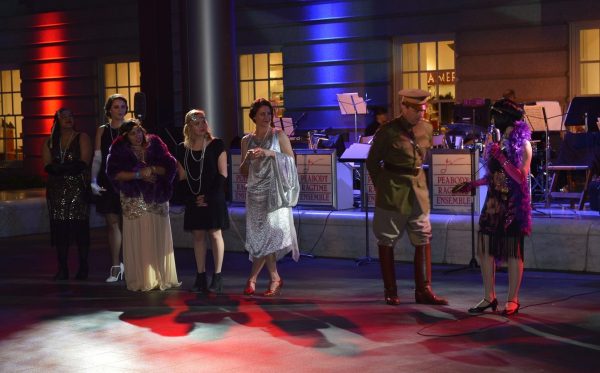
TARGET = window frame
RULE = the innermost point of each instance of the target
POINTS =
(397, 79)
(102, 83)
(575, 88)
(243, 110)
(16, 138)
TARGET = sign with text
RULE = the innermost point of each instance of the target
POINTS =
(370, 191)
(315, 172)
(441, 77)
(238, 181)
(448, 168)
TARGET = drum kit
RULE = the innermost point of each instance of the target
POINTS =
(459, 136)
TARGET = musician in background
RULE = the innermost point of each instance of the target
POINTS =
(506, 111)
(395, 165)
(379, 118)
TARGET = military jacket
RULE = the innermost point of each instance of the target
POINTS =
(395, 146)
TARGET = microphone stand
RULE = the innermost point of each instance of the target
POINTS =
(473, 262)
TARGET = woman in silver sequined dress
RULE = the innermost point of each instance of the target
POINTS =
(142, 170)
(66, 155)
(272, 190)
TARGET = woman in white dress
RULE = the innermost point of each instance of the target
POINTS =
(142, 171)
(272, 191)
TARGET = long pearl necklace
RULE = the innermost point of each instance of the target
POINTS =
(188, 153)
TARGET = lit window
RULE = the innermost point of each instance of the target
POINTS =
(589, 61)
(11, 116)
(430, 66)
(261, 76)
(122, 78)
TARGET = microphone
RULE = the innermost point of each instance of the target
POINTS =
(139, 105)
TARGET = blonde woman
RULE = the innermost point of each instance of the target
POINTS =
(202, 169)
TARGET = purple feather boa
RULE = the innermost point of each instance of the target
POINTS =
(519, 203)
(515, 142)
(121, 158)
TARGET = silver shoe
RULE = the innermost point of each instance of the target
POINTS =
(119, 274)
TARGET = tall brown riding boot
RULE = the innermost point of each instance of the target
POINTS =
(388, 273)
(423, 292)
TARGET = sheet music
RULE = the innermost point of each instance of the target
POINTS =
(351, 103)
(553, 114)
(356, 151)
(286, 124)
(534, 116)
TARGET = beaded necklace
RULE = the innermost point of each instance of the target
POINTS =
(263, 142)
(188, 151)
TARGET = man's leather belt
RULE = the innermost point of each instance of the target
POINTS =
(400, 170)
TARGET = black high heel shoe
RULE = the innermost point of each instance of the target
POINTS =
(509, 312)
(216, 284)
(200, 285)
(479, 309)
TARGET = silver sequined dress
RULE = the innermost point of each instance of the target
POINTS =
(268, 229)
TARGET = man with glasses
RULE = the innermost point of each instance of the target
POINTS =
(402, 198)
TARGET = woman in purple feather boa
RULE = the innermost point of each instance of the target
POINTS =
(506, 216)
(141, 169)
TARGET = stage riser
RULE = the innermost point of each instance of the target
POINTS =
(556, 243)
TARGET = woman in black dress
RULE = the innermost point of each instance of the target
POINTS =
(202, 168)
(108, 202)
(66, 155)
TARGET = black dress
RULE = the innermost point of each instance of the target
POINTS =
(109, 201)
(214, 215)
(502, 226)
(67, 193)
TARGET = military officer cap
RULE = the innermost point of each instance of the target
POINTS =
(414, 96)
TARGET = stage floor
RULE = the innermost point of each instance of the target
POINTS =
(330, 318)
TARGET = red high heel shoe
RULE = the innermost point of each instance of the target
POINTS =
(511, 311)
(272, 292)
(250, 288)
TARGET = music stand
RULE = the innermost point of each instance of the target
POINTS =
(582, 110)
(286, 124)
(352, 103)
(538, 119)
(473, 262)
(358, 153)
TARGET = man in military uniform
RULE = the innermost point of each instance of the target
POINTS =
(402, 199)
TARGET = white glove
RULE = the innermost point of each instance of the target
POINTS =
(96, 189)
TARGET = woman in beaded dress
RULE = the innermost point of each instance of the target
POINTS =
(506, 216)
(202, 169)
(272, 190)
(66, 155)
(107, 200)
(142, 171)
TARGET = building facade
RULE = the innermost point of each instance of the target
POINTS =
(221, 55)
